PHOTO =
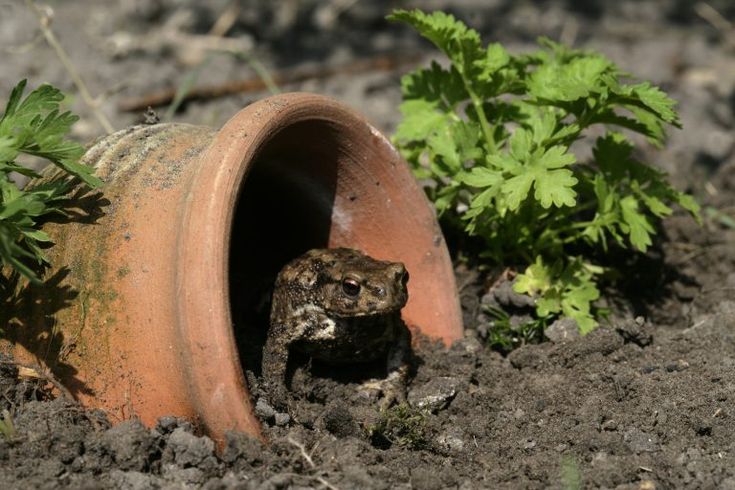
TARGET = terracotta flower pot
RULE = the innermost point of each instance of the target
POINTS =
(158, 280)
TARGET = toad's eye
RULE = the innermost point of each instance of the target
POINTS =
(350, 286)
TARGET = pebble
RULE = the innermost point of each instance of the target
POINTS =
(562, 330)
(434, 395)
(679, 365)
(282, 419)
(264, 410)
(452, 440)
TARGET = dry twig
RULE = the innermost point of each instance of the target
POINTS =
(302, 449)
(188, 49)
(226, 20)
(310, 462)
(286, 77)
(38, 372)
(44, 21)
(717, 20)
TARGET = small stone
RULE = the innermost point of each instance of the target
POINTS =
(647, 485)
(469, 343)
(562, 330)
(506, 296)
(529, 444)
(434, 395)
(636, 331)
(282, 419)
(610, 425)
(166, 424)
(452, 439)
(264, 410)
(679, 365)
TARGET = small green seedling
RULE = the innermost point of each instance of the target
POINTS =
(34, 126)
(7, 427)
(571, 478)
(491, 133)
(400, 425)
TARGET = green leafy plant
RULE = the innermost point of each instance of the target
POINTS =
(35, 126)
(491, 134)
(505, 335)
(571, 477)
(400, 425)
(7, 427)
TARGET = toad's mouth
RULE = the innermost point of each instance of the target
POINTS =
(366, 315)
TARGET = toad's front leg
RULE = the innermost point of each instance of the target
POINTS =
(393, 387)
(398, 367)
(275, 362)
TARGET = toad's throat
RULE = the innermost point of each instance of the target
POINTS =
(348, 339)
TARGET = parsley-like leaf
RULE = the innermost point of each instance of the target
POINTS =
(492, 132)
(34, 125)
(457, 41)
(552, 183)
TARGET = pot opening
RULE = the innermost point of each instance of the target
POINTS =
(284, 209)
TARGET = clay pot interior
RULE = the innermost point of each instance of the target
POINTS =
(286, 206)
(284, 209)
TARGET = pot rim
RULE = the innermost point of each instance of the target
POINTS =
(218, 385)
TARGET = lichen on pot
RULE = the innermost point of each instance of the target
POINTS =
(157, 283)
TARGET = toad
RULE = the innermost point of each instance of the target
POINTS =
(339, 306)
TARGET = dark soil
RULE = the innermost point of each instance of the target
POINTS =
(646, 401)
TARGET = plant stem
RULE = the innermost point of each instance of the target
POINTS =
(486, 129)
(477, 104)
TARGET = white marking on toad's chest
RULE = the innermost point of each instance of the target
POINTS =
(312, 318)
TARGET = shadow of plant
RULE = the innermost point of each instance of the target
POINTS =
(83, 205)
(28, 311)
(28, 314)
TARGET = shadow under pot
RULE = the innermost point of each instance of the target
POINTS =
(154, 277)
